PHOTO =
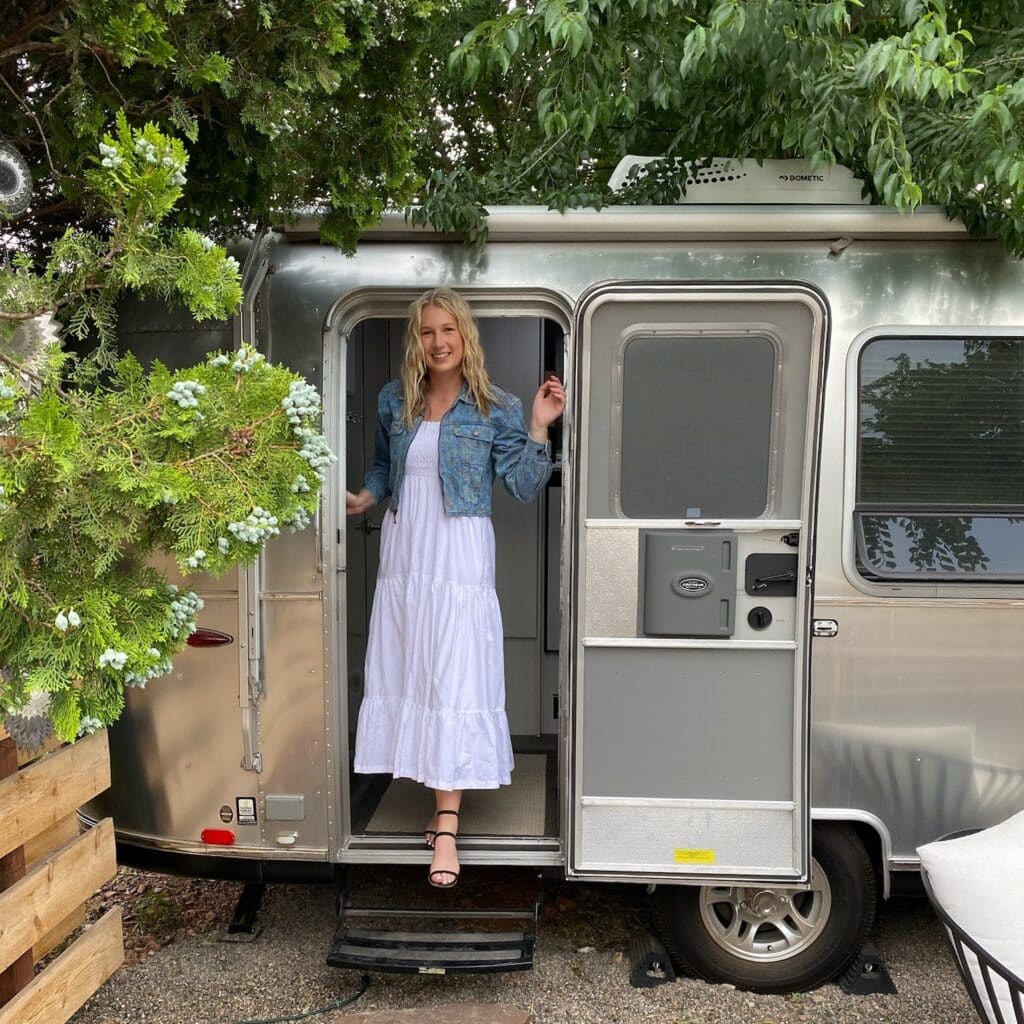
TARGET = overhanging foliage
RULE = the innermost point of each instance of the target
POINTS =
(922, 99)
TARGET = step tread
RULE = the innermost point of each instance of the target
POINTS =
(402, 929)
(492, 913)
(422, 938)
(345, 950)
(416, 952)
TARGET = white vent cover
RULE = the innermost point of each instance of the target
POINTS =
(744, 181)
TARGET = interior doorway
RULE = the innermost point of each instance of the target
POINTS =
(518, 350)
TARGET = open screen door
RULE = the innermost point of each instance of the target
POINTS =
(692, 530)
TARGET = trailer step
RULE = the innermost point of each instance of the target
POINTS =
(491, 929)
(454, 952)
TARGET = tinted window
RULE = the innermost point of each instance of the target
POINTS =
(940, 483)
(696, 427)
(942, 546)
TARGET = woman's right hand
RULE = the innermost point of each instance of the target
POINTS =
(357, 504)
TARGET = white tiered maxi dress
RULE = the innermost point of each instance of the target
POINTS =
(433, 707)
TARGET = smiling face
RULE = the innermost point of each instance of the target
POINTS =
(442, 344)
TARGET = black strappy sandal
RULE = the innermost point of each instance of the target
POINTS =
(430, 834)
(444, 871)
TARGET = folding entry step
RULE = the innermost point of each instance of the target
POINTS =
(410, 929)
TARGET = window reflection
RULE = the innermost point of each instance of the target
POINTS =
(942, 546)
(940, 481)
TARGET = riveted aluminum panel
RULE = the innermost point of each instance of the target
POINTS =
(918, 714)
(292, 716)
(149, 330)
(175, 752)
(200, 582)
(291, 561)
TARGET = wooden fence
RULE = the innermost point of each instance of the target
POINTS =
(47, 872)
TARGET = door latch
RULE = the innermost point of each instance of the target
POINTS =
(825, 627)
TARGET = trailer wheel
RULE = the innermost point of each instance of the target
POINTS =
(775, 939)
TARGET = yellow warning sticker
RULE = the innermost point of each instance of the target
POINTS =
(694, 856)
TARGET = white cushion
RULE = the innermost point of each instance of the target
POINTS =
(979, 881)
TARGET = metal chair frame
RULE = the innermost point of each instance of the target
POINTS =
(959, 941)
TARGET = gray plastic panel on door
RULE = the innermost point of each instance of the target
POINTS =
(689, 583)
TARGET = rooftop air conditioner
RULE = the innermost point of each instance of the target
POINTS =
(745, 181)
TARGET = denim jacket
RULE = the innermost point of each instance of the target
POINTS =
(473, 449)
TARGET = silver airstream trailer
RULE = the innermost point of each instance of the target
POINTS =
(764, 633)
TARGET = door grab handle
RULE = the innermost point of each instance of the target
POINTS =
(761, 583)
(825, 628)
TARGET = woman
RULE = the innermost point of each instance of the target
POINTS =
(434, 704)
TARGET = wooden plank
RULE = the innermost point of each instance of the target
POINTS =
(41, 900)
(52, 839)
(16, 973)
(58, 933)
(37, 797)
(35, 850)
(63, 987)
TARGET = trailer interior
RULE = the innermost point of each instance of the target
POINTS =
(386, 812)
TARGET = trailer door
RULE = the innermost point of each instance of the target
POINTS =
(692, 526)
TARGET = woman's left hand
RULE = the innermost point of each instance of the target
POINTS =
(548, 403)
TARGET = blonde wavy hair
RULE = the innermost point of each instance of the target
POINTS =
(414, 369)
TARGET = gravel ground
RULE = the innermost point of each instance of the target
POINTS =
(177, 972)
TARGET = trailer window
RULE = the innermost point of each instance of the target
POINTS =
(696, 426)
(940, 476)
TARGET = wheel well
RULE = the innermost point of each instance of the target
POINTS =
(872, 844)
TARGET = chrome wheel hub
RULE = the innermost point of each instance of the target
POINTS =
(763, 925)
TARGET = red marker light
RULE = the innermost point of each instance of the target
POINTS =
(218, 836)
(204, 637)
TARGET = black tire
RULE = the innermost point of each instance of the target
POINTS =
(703, 930)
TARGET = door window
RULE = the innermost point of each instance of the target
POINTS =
(696, 426)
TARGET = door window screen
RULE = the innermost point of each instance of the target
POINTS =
(940, 476)
(696, 427)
